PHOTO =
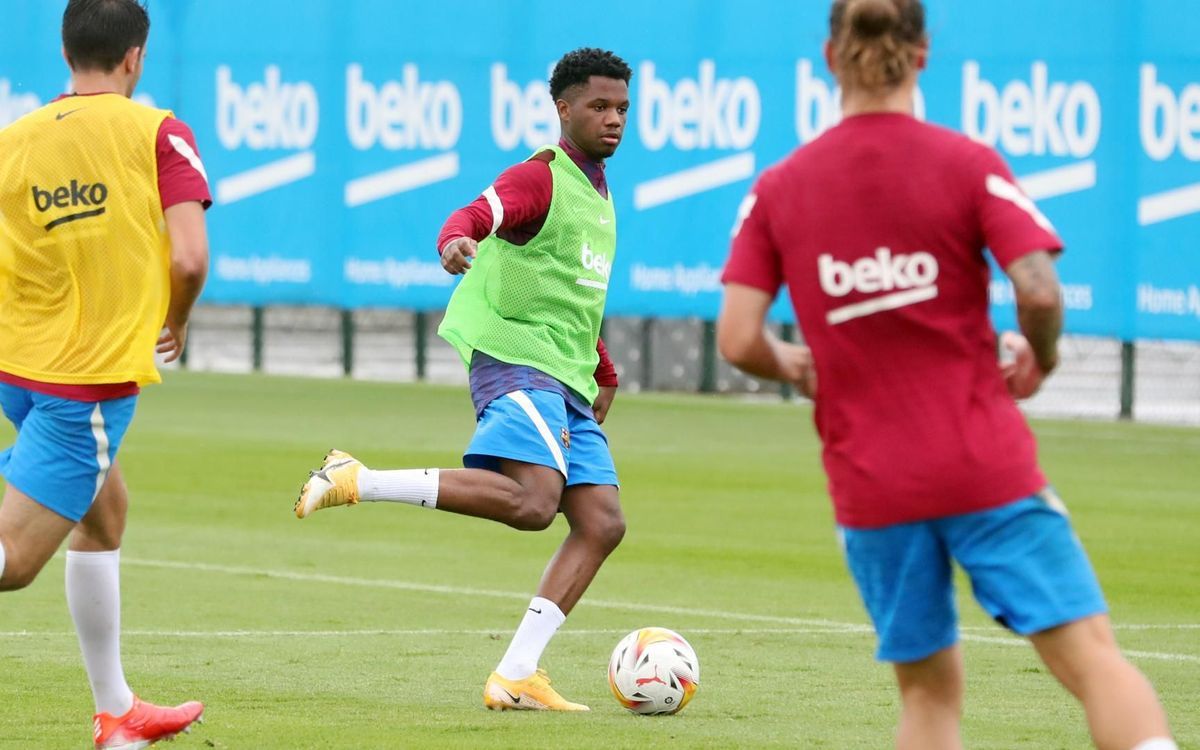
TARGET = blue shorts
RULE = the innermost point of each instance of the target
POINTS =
(64, 448)
(1027, 569)
(539, 427)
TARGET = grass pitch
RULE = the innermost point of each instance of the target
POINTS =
(375, 627)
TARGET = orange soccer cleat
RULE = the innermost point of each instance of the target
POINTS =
(335, 483)
(533, 693)
(144, 724)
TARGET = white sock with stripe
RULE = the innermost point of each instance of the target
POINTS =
(412, 486)
(94, 598)
(1157, 743)
(541, 621)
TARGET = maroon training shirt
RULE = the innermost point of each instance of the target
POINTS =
(878, 229)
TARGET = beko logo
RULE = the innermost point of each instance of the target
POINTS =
(907, 278)
(1039, 117)
(1169, 125)
(704, 113)
(88, 196)
(267, 115)
(404, 114)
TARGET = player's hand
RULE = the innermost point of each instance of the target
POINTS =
(458, 254)
(172, 340)
(604, 402)
(1020, 369)
(796, 367)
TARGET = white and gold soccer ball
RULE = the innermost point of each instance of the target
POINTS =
(653, 671)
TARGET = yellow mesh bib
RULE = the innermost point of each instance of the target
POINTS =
(84, 253)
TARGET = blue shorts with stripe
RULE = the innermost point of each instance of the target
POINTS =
(64, 448)
(1027, 569)
(541, 427)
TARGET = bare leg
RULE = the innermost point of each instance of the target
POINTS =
(104, 525)
(931, 691)
(524, 496)
(31, 534)
(594, 514)
(1122, 709)
(597, 527)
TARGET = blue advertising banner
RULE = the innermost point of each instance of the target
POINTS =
(339, 135)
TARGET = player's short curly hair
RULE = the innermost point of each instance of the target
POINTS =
(577, 66)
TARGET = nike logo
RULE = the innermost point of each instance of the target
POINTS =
(605, 221)
(514, 698)
(61, 115)
(324, 472)
(535, 611)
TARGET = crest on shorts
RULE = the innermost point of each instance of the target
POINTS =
(566, 438)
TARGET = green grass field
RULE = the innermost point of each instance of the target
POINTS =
(375, 627)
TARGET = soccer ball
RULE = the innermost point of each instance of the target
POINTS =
(653, 671)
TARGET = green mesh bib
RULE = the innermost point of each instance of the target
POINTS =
(541, 304)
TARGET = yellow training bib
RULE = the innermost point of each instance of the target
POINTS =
(84, 252)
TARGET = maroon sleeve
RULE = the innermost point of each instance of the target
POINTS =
(519, 196)
(606, 372)
(181, 175)
(753, 258)
(1010, 223)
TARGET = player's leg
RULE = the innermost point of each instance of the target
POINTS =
(591, 505)
(30, 534)
(904, 576)
(42, 501)
(597, 526)
(931, 692)
(1030, 572)
(94, 594)
(94, 599)
(594, 515)
(520, 429)
(1122, 709)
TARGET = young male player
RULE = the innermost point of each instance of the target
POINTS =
(102, 246)
(878, 229)
(537, 248)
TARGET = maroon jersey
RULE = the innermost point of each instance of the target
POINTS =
(878, 229)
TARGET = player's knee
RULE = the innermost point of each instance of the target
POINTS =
(1080, 652)
(17, 574)
(930, 695)
(610, 531)
(533, 518)
(100, 537)
(533, 511)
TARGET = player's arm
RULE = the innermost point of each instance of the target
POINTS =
(1040, 316)
(189, 269)
(743, 340)
(1025, 244)
(183, 189)
(606, 379)
(753, 276)
(519, 196)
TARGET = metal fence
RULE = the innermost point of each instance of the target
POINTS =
(1098, 378)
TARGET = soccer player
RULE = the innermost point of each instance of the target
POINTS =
(102, 253)
(537, 248)
(878, 228)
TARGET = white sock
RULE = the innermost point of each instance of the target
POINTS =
(94, 598)
(412, 486)
(541, 622)
(1157, 743)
